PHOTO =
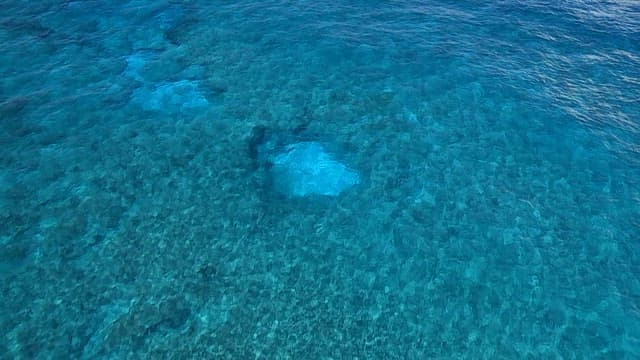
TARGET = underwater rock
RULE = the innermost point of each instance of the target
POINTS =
(256, 142)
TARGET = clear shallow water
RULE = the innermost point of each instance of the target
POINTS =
(496, 215)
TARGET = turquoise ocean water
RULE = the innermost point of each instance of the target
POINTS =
(320, 180)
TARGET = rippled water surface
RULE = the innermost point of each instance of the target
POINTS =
(320, 180)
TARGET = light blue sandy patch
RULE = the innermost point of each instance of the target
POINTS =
(171, 97)
(135, 64)
(305, 168)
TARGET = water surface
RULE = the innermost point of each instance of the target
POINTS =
(496, 147)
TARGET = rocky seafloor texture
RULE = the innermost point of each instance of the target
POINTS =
(194, 180)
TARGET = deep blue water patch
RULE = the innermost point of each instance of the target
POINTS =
(452, 179)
